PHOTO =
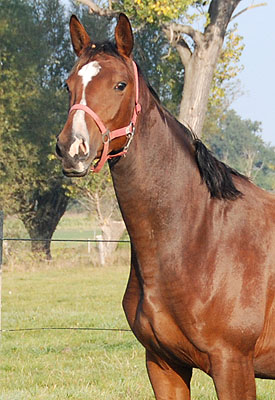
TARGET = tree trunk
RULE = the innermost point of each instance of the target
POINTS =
(199, 65)
(198, 75)
(42, 220)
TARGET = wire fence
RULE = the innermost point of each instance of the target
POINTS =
(65, 240)
(37, 329)
(65, 329)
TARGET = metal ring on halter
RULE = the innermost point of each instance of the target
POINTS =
(106, 137)
(130, 136)
(130, 128)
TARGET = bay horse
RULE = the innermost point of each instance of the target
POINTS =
(202, 280)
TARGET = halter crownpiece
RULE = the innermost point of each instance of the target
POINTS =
(107, 135)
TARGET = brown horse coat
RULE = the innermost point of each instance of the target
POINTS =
(202, 280)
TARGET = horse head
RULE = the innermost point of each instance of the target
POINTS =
(103, 88)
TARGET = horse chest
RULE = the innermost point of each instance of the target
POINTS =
(159, 332)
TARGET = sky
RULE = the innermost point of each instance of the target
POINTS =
(257, 26)
(257, 101)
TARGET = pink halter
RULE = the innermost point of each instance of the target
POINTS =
(108, 135)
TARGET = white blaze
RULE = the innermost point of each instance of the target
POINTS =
(87, 72)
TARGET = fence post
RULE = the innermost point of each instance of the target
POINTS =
(1, 258)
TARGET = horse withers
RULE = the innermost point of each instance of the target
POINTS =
(202, 280)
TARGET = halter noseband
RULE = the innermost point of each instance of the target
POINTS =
(108, 135)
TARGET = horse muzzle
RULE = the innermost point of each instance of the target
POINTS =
(76, 158)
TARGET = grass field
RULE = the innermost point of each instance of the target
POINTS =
(71, 291)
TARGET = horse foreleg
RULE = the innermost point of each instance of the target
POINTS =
(167, 383)
(233, 375)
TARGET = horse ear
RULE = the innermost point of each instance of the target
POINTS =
(124, 36)
(80, 38)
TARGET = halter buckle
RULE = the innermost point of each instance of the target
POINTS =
(130, 129)
(106, 137)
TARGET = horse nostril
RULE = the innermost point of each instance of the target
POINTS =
(79, 148)
(58, 151)
(83, 148)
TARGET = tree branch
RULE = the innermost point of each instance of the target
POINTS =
(187, 30)
(84, 205)
(248, 8)
(220, 13)
(98, 209)
(184, 52)
(174, 34)
(177, 41)
(95, 9)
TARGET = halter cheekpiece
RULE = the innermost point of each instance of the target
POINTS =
(107, 135)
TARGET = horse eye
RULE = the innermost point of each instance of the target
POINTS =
(121, 86)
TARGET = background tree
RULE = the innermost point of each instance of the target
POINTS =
(34, 59)
(237, 142)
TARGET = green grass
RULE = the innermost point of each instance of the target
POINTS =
(76, 364)
(68, 364)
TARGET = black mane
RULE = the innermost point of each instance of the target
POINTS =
(216, 174)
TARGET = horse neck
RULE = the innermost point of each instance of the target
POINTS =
(159, 170)
(160, 153)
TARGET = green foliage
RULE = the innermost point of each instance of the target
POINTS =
(224, 86)
(34, 58)
(160, 64)
(237, 142)
(161, 11)
(98, 27)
